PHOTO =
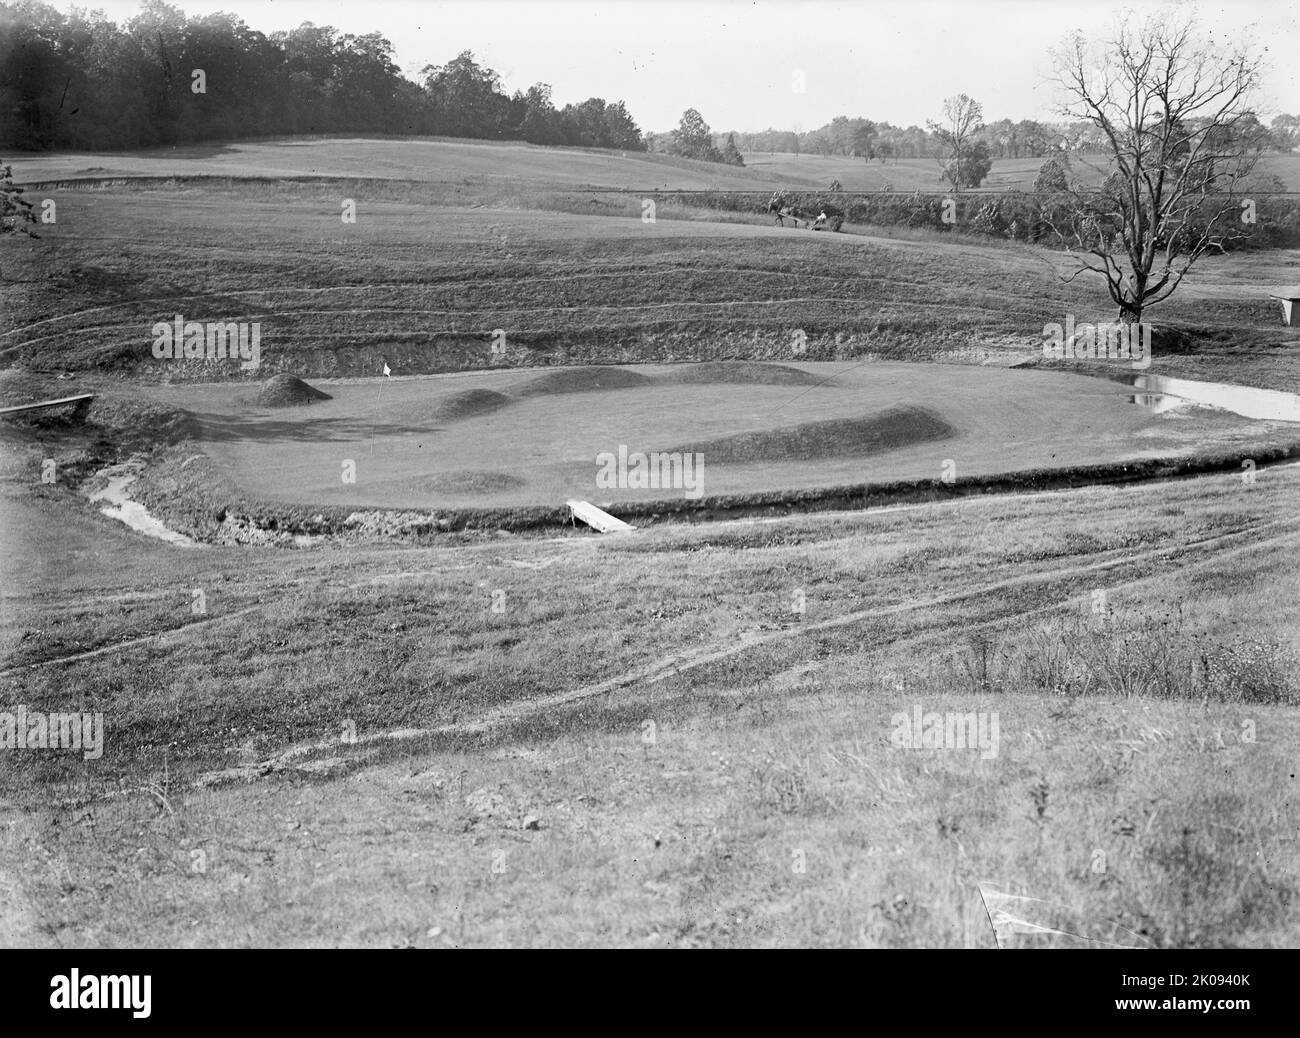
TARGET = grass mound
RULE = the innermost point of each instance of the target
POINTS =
(468, 404)
(837, 438)
(474, 482)
(742, 372)
(584, 380)
(19, 386)
(288, 391)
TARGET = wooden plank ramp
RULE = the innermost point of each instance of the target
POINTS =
(82, 402)
(596, 519)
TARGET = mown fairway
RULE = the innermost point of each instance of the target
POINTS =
(476, 162)
(482, 162)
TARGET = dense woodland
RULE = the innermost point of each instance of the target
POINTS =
(79, 81)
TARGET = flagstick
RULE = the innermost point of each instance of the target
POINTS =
(386, 374)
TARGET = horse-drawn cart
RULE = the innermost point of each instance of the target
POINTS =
(819, 217)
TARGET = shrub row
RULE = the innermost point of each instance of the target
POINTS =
(1019, 215)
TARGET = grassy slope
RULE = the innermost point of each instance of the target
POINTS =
(418, 160)
(423, 286)
(483, 161)
(779, 742)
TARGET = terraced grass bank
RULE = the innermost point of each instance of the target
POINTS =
(434, 287)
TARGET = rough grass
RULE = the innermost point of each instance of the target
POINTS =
(764, 803)
(18, 386)
(1120, 653)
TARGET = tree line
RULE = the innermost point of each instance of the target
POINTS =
(880, 141)
(81, 81)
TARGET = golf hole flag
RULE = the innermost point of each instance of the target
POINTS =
(1026, 922)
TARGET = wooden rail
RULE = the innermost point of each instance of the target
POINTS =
(82, 402)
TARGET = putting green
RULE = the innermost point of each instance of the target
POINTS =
(526, 436)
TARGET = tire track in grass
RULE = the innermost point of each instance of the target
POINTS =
(178, 632)
(839, 304)
(716, 652)
(182, 629)
(161, 637)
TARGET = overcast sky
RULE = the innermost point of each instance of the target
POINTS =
(737, 61)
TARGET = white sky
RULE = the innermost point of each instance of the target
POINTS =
(735, 60)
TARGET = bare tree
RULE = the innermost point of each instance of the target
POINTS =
(1180, 137)
(963, 117)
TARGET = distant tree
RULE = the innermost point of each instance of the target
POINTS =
(466, 98)
(1174, 109)
(537, 120)
(730, 153)
(584, 125)
(820, 142)
(693, 140)
(1052, 176)
(962, 118)
(864, 139)
(1286, 132)
(620, 130)
(969, 165)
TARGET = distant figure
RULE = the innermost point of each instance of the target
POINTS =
(829, 217)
